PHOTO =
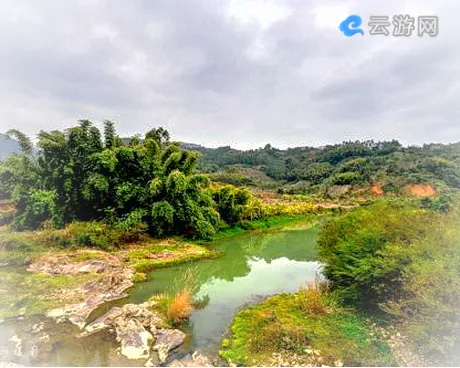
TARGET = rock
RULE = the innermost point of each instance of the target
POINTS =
(34, 351)
(44, 339)
(166, 341)
(192, 360)
(135, 340)
(117, 317)
(64, 265)
(134, 325)
(37, 328)
(116, 279)
(153, 361)
(9, 364)
(17, 345)
(96, 292)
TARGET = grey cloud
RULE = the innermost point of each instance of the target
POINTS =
(213, 79)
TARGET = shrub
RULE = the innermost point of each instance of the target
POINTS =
(312, 301)
(132, 226)
(91, 234)
(351, 247)
(347, 178)
(139, 277)
(231, 202)
(404, 261)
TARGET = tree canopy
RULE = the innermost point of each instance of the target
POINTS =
(82, 174)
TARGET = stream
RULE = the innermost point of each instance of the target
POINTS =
(251, 267)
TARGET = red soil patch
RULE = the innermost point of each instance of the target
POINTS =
(421, 190)
(377, 190)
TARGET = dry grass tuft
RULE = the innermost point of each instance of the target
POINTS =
(312, 299)
(180, 306)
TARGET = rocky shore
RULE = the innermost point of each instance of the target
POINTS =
(141, 332)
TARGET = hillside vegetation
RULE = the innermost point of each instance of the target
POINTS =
(387, 165)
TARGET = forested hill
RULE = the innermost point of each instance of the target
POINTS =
(387, 164)
(8, 146)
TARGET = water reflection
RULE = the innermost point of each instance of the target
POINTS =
(251, 267)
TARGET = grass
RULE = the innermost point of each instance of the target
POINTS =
(180, 306)
(305, 328)
(174, 308)
(83, 256)
(177, 304)
(282, 222)
(35, 293)
(163, 253)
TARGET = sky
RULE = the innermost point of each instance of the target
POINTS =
(230, 72)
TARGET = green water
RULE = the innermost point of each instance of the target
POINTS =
(252, 266)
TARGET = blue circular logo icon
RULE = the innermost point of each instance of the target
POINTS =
(350, 26)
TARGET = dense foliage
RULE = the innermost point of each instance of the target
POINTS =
(385, 163)
(405, 261)
(81, 175)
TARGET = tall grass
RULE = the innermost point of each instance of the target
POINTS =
(179, 303)
(180, 306)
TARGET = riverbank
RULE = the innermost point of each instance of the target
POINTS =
(306, 328)
(39, 279)
(70, 285)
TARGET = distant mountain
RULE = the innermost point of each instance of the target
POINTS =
(191, 146)
(8, 146)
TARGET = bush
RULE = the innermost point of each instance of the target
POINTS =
(442, 203)
(91, 234)
(404, 261)
(132, 226)
(347, 178)
(351, 247)
(231, 202)
(312, 301)
(139, 277)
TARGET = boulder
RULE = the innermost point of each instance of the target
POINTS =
(96, 292)
(166, 341)
(135, 341)
(135, 326)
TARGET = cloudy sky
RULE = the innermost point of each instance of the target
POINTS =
(230, 72)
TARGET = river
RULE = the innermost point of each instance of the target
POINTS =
(251, 266)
